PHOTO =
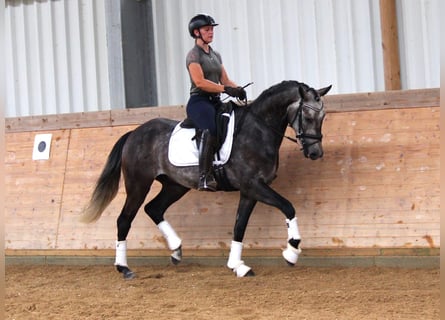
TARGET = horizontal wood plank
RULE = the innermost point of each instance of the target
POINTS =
(370, 101)
(376, 188)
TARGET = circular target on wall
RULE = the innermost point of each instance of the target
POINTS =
(42, 146)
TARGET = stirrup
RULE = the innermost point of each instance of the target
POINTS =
(207, 186)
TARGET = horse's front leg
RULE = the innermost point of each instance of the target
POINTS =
(267, 195)
(292, 251)
(235, 263)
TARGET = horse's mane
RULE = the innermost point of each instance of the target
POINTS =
(282, 86)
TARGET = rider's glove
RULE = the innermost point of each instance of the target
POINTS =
(237, 92)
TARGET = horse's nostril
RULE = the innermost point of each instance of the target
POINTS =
(315, 155)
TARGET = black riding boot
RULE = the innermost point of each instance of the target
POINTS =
(206, 152)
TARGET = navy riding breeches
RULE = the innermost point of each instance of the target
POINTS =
(201, 109)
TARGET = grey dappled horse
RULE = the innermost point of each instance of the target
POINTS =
(141, 155)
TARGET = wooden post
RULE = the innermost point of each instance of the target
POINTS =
(390, 44)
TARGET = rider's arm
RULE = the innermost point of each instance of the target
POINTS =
(202, 83)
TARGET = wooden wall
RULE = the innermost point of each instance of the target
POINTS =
(377, 186)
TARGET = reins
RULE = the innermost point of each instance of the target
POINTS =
(243, 116)
(300, 137)
(275, 131)
(244, 87)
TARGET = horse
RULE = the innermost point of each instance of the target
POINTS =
(141, 156)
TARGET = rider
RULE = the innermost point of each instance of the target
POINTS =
(208, 80)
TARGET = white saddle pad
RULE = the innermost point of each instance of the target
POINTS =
(182, 150)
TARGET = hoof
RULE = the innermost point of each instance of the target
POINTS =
(243, 271)
(176, 256)
(175, 261)
(129, 275)
(126, 272)
(250, 273)
(290, 264)
(290, 254)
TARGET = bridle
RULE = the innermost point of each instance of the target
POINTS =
(301, 135)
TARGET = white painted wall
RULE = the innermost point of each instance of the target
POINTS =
(419, 37)
(61, 55)
(319, 42)
(56, 53)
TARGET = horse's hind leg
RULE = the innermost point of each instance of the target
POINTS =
(135, 197)
(155, 209)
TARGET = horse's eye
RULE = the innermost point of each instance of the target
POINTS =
(309, 120)
(317, 98)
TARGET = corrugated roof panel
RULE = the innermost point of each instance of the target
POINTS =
(60, 75)
(318, 42)
(47, 57)
(419, 31)
(58, 55)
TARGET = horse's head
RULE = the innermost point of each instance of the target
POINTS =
(306, 118)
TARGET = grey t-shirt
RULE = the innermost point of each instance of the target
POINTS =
(210, 63)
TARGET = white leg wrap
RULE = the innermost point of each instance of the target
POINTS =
(235, 263)
(235, 254)
(121, 254)
(173, 241)
(291, 254)
(292, 229)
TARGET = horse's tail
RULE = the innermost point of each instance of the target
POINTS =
(107, 185)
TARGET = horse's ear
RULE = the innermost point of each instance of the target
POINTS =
(323, 91)
(302, 92)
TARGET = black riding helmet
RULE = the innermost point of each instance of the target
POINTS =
(200, 20)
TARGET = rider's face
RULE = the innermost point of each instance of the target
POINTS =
(207, 33)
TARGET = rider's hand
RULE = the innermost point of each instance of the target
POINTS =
(242, 95)
(237, 92)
